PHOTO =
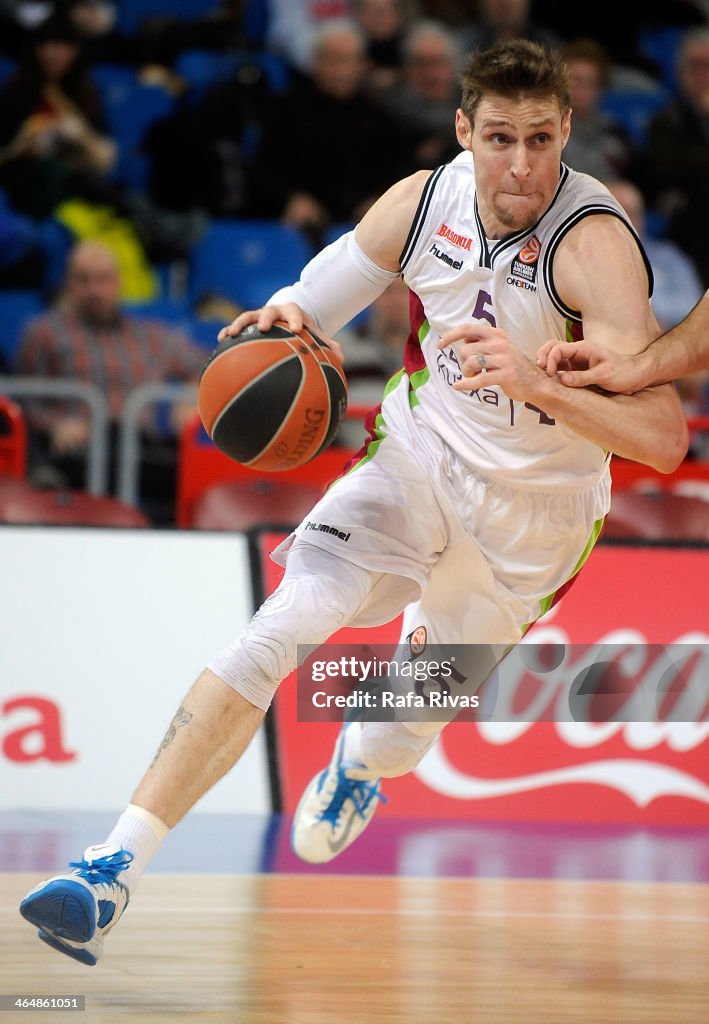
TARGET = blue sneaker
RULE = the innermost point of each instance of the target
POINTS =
(74, 912)
(336, 807)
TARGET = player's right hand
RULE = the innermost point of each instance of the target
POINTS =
(264, 318)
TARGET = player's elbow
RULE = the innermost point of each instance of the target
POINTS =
(672, 447)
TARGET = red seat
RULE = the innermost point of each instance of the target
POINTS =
(201, 465)
(13, 487)
(21, 503)
(657, 516)
(245, 504)
(13, 439)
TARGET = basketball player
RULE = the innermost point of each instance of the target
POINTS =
(679, 352)
(485, 482)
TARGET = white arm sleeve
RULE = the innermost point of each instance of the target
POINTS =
(337, 283)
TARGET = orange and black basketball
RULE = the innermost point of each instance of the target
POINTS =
(272, 400)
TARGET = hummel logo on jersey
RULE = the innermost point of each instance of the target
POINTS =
(454, 238)
(324, 528)
(524, 265)
(443, 256)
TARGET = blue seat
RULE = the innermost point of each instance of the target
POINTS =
(204, 332)
(634, 110)
(202, 69)
(7, 67)
(172, 311)
(661, 45)
(255, 20)
(656, 223)
(17, 307)
(131, 13)
(245, 261)
(131, 106)
(56, 241)
(114, 82)
(176, 314)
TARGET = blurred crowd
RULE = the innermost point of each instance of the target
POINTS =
(137, 127)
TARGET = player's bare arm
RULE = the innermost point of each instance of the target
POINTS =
(681, 351)
(598, 270)
(383, 230)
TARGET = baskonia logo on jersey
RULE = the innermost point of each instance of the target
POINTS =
(460, 241)
(524, 265)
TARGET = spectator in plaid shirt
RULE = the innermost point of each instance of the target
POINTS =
(87, 337)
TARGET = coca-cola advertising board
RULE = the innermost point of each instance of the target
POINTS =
(565, 770)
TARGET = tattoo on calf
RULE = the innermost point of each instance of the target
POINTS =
(181, 718)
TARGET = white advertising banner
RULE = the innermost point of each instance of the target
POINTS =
(102, 632)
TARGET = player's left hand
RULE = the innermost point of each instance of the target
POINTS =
(488, 358)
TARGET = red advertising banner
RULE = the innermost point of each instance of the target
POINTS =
(565, 771)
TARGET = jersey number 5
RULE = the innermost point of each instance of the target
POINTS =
(481, 311)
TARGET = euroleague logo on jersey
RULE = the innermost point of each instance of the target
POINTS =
(416, 642)
(530, 251)
(524, 266)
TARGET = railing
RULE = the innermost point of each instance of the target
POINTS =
(97, 451)
(129, 444)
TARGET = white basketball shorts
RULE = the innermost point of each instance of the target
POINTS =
(472, 560)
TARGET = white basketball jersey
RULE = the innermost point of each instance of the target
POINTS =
(456, 274)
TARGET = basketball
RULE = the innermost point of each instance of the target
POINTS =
(272, 400)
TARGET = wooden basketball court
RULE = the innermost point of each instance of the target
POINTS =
(326, 949)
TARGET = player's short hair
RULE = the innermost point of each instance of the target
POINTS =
(514, 70)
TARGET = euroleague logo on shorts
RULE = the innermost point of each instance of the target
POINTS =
(417, 641)
(524, 265)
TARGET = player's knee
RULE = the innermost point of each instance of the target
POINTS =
(390, 749)
(300, 615)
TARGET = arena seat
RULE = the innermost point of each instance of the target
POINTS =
(246, 504)
(661, 45)
(245, 261)
(202, 69)
(657, 516)
(20, 503)
(634, 110)
(132, 13)
(172, 311)
(691, 478)
(255, 20)
(7, 68)
(201, 466)
(131, 106)
(204, 332)
(13, 440)
(12, 486)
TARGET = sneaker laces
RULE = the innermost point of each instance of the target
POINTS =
(103, 869)
(360, 791)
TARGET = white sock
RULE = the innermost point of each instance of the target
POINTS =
(352, 749)
(141, 832)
